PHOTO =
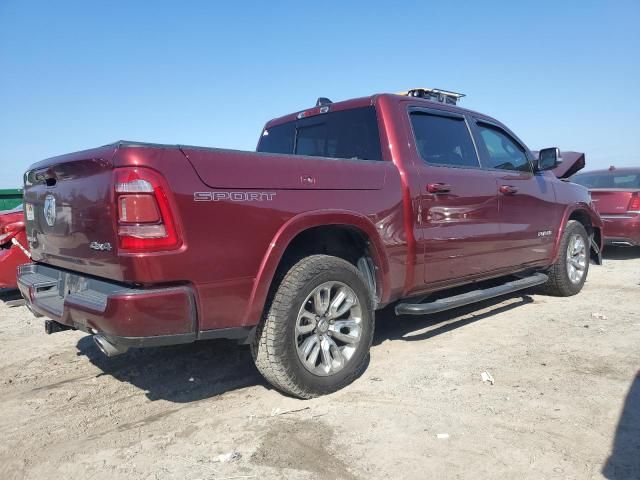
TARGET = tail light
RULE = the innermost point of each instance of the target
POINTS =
(634, 203)
(7, 232)
(145, 220)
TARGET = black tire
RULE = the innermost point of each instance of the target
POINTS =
(275, 345)
(559, 283)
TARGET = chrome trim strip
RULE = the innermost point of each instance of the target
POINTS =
(616, 217)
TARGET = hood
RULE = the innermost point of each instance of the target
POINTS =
(572, 163)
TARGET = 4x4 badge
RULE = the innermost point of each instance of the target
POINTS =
(102, 247)
(50, 210)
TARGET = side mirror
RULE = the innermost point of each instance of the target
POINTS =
(548, 159)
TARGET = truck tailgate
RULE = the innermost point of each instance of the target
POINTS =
(69, 211)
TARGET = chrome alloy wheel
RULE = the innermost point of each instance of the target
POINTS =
(576, 258)
(328, 328)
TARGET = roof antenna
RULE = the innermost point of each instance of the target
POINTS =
(323, 101)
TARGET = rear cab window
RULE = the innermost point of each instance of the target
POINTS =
(345, 134)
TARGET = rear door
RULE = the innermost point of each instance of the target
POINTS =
(457, 203)
(528, 212)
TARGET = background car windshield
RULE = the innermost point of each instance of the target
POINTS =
(608, 180)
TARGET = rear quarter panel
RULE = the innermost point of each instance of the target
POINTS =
(233, 241)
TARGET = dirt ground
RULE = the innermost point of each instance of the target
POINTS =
(565, 402)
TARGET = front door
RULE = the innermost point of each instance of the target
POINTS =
(529, 214)
(457, 204)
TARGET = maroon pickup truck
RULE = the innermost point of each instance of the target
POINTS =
(345, 208)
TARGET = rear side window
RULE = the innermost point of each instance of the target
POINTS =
(443, 140)
(350, 134)
(502, 152)
(608, 180)
(278, 139)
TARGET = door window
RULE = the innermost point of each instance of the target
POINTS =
(502, 152)
(443, 140)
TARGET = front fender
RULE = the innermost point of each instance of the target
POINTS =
(295, 226)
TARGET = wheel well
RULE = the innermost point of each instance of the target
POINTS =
(342, 241)
(584, 218)
(345, 242)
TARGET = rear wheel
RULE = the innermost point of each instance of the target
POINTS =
(316, 336)
(568, 274)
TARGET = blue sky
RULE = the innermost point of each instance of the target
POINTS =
(75, 75)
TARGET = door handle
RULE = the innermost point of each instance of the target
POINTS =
(508, 190)
(438, 188)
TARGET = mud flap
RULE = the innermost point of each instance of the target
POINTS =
(596, 253)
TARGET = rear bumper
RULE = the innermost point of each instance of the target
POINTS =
(124, 315)
(621, 229)
(128, 316)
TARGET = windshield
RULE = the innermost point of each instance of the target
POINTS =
(608, 180)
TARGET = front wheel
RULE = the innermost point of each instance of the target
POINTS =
(568, 274)
(316, 335)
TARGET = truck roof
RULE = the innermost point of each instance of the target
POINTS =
(372, 100)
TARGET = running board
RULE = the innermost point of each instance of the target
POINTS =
(470, 297)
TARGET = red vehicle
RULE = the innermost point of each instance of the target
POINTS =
(345, 208)
(616, 195)
(12, 255)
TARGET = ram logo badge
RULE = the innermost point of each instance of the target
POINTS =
(50, 210)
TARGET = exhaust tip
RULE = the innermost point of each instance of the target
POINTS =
(108, 348)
